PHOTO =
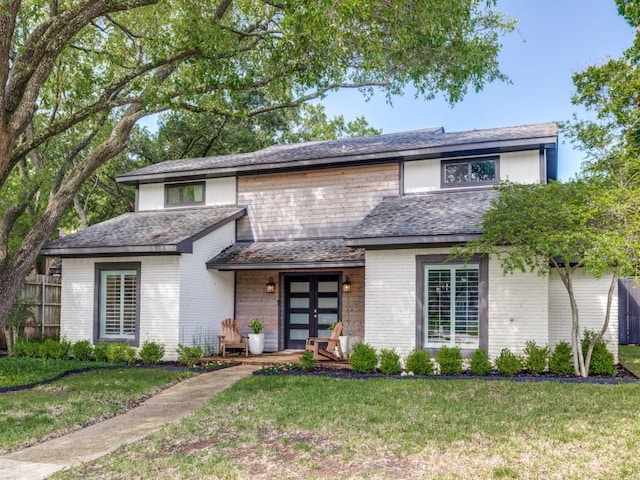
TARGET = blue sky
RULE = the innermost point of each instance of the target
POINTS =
(555, 39)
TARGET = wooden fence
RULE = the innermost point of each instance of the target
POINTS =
(43, 292)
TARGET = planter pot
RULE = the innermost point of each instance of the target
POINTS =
(345, 344)
(256, 343)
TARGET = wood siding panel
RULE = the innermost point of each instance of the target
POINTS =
(313, 203)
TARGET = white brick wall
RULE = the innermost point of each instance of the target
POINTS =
(591, 296)
(518, 308)
(207, 296)
(159, 298)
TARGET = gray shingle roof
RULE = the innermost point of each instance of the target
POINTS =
(162, 231)
(288, 254)
(392, 145)
(428, 218)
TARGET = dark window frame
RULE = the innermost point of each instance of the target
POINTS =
(483, 300)
(468, 162)
(99, 268)
(182, 185)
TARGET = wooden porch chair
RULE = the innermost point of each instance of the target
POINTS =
(231, 338)
(315, 344)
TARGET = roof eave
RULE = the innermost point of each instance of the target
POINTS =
(112, 251)
(284, 265)
(412, 241)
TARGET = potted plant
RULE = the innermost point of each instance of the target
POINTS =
(256, 339)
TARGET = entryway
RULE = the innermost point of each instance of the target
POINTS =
(312, 304)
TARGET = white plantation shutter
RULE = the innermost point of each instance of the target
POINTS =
(118, 303)
(452, 305)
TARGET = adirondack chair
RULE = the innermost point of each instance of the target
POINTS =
(231, 338)
(315, 344)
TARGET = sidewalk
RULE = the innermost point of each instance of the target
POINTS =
(95, 441)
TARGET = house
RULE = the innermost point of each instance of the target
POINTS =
(307, 234)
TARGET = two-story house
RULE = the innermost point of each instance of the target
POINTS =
(307, 234)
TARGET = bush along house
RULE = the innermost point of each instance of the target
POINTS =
(308, 234)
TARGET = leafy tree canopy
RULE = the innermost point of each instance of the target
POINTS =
(76, 76)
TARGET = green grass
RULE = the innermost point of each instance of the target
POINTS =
(74, 401)
(304, 427)
(16, 371)
(630, 357)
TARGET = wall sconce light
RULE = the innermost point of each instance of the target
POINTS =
(346, 285)
(271, 286)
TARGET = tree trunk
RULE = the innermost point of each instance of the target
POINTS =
(605, 325)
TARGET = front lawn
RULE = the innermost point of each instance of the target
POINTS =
(309, 427)
(17, 371)
(73, 401)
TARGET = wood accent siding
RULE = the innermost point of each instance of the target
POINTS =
(312, 203)
(253, 301)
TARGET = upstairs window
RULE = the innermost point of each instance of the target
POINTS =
(470, 172)
(182, 194)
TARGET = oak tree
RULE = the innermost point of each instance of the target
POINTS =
(77, 75)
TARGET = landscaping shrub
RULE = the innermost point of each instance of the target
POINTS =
(601, 358)
(100, 351)
(450, 360)
(82, 350)
(189, 356)
(151, 353)
(118, 352)
(307, 362)
(363, 358)
(419, 362)
(55, 349)
(479, 363)
(26, 348)
(508, 363)
(561, 360)
(535, 357)
(389, 362)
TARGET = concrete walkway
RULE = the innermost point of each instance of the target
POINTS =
(95, 441)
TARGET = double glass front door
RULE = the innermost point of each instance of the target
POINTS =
(312, 305)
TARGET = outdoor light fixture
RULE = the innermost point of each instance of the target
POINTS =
(346, 285)
(271, 286)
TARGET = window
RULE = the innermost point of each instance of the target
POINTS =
(469, 172)
(117, 302)
(180, 194)
(452, 301)
(452, 306)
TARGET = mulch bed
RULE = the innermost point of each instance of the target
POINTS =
(623, 375)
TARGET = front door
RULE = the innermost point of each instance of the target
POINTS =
(311, 306)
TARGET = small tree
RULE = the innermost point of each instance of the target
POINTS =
(568, 227)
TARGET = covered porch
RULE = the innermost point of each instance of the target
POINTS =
(296, 288)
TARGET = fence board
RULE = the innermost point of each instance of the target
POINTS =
(44, 292)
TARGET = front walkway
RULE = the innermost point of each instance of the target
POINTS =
(95, 441)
